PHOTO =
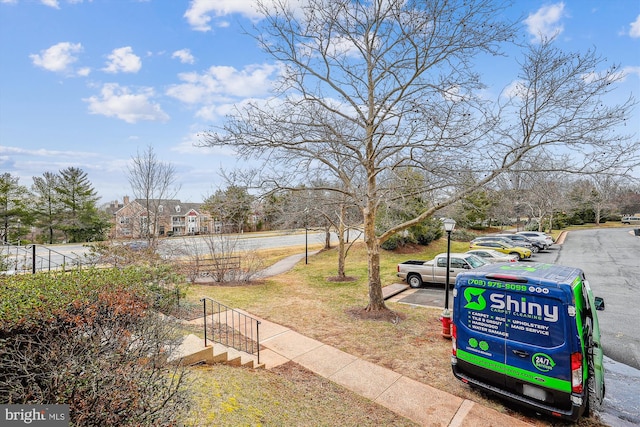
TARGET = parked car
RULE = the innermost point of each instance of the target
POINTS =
(493, 256)
(507, 240)
(523, 241)
(631, 220)
(417, 272)
(505, 248)
(138, 245)
(538, 236)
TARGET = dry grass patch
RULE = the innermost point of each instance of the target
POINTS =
(288, 395)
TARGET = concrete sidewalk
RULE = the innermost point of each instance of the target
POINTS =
(412, 399)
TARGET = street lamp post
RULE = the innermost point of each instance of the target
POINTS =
(306, 237)
(449, 225)
(306, 244)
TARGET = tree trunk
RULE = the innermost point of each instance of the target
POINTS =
(376, 302)
(341, 250)
(327, 238)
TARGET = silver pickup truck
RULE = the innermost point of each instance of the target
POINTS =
(416, 273)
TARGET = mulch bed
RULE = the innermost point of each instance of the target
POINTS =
(381, 315)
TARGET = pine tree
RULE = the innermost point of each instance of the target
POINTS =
(78, 199)
(48, 207)
(13, 207)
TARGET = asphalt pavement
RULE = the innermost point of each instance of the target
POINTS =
(621, 406)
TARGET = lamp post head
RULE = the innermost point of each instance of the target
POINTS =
(449, 225)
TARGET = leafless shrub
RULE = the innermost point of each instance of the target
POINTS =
(219, 258)
(106, 359)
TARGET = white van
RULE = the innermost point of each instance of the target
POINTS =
(631, 220)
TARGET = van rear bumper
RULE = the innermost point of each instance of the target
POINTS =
(572, 414)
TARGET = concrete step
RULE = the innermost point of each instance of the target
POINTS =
(394, 289)
(192, 351)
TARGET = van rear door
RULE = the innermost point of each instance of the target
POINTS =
(514, 336)
(538, 353)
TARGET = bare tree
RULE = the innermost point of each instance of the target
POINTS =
(371, 88)
(317, 208)
(606, 188)
(543, 197)
(152, 181)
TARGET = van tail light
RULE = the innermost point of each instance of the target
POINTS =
(576, 372)
(454, 336)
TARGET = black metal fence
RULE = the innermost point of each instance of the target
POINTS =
(16, 259)
(230, 327)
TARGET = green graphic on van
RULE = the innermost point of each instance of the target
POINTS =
(473, 343)
(502, 303)
(517, 268)
(475, 300)
(542, 362)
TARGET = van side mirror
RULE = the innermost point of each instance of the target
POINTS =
(599, 303)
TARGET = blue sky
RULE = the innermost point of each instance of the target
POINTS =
(90, 83)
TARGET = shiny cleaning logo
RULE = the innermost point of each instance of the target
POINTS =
(506, 303)
(475, 300)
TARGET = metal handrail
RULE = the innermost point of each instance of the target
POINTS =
(231, 328)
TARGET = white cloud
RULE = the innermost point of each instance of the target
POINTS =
(120, 102)
(190, 145)
(184, 55)
(453, 94)
(635, 28)
(84, 72)
(515, 89)
(58, 58)
(56, 4)
(626, 71)
(224, 82)
(123, 60)
(545, 23)
(199, 13)
(51, 3)
(618, 75)
(43, 152)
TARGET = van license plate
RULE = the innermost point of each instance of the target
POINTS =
(534, 392)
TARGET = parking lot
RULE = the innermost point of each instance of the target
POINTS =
(432, 295)
(609, 258)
